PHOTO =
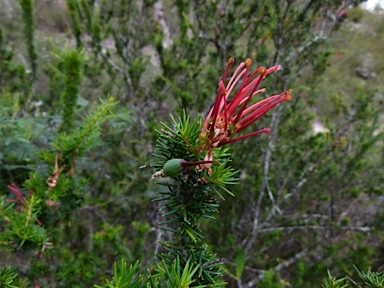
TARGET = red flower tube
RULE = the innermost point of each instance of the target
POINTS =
(228, 118)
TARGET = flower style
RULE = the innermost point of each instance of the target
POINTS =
(228, 118)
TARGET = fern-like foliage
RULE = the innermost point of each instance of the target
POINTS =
(84, 137)
(34, 209)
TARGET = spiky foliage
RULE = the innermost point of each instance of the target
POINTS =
(371, 279)
(49, 197)
(367, 279)
(179, 275)
(7, 277)
(123, 276)
(189, 197)
(332, 282)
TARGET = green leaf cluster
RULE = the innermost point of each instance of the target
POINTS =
(191, 196)
(52, 195)
(123, 276)
(366, 279)
(7, 277)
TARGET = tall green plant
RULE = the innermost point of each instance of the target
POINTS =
(27, 7)
(72, 62)
(191, 196)
(14, 76)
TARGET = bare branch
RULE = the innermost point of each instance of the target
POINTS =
(280, 266)
(95, 212)
(292, 260)
(125, 73)
(354, 283)
(315, 227)
(267, 160)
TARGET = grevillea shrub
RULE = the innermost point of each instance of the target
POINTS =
(75, 202)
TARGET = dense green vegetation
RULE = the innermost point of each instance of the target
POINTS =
(86, 92)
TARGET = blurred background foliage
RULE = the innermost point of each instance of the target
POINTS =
(310, 196)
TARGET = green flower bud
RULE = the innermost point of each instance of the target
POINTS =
(173, 167)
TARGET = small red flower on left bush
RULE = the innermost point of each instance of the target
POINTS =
(20, 199)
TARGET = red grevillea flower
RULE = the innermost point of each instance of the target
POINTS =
(20, 199)
(228, 118)
(16, 191)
